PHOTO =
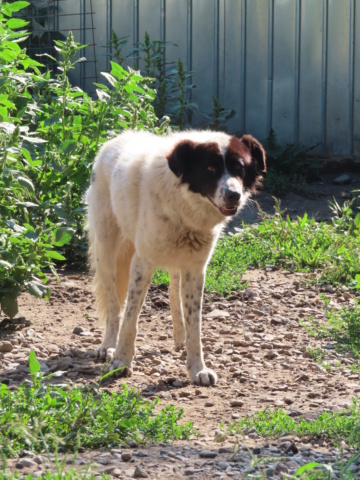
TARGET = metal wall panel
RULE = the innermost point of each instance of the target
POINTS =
(232, 55)
(356, 84)
(204, 47)
(258, 32)
(310, 73)
(290, 65)
(338, 76)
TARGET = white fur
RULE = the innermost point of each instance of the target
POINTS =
(141, 217)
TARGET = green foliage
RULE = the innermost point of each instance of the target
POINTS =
(50, 133)
(219, 115)
(331, 251)
(41, 416)
(329, 425)
(289, 167)
(172, 83)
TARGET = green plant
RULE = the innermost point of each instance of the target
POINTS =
(42, 416)
(219, 115)
(26, 244)
(329, 425)
(330, 251)
(289, 166)
(50, 133)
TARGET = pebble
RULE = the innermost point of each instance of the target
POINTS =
(207, 454)
(236, 403)
(78, 330)
(342, 179)
(6, 347)
(140, 473)
(217, 313)
(126, 456)
(25, 463)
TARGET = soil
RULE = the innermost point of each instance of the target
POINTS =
(254, 340)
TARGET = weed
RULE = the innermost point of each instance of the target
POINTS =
(289, 167)
(331, 426)
(219, 115)
(329, 250)
(40, 416)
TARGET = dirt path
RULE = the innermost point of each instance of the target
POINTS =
(254, 341)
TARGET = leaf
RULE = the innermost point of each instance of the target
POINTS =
(308, 466)
(62, 235)
(26, 204)
(117, 71)
(38, 289)
(103, 96)
(34, 140)
(34, 365)
(109, 78)
(16, 23)
(5, 264)
(9, 305)
(357, 221)
(55, 255)
(27, 183)
(16, 6)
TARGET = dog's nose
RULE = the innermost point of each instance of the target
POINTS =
(232, 196)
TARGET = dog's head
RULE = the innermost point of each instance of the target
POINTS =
(225, 175)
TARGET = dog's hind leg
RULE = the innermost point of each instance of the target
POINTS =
(104, 237)
(125, 253)
(176, 310)
(140, 277)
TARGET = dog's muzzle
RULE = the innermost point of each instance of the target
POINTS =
(231, 205)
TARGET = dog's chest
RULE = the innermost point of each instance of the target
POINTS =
(191, 241)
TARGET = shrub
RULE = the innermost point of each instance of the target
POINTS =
(50, 133)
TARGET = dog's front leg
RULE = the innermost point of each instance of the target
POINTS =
(176, 310)
(140, 278)
(192, 285)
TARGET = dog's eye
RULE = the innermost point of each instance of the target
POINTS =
(238, 167)
(211, 169)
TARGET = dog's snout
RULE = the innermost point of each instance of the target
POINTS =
(232, 196)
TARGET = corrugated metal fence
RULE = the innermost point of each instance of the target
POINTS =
(290, 65)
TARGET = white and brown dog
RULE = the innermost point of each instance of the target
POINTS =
(161, 201)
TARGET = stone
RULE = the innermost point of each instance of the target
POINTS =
(26, 463)
(131, 443)
(207, 454)
(217, 313)
(236, 403)
(78, 330)
(126, 456)
(140, 473)
(342, 179)
(6, 347)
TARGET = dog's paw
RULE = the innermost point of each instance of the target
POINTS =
(179, 344)
(205, 377)
(121, 368)
(104, 354)
(179, 337)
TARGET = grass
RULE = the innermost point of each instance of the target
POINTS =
(329, 251)
(331, 426)
(40, 417)
(343, 329)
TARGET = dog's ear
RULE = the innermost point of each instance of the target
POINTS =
(181, 154)
(257, 151)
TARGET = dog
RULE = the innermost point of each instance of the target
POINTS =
(162, 201)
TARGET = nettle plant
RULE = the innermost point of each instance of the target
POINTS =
(50, 133)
